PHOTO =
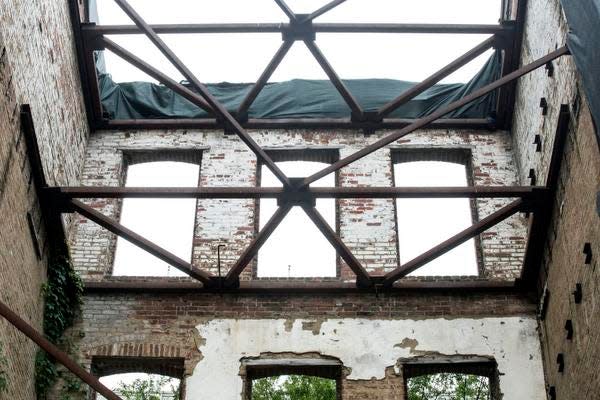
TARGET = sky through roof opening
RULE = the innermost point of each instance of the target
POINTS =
(242, 57)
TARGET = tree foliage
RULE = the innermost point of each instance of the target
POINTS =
(448, 386)
(149, 388)
(294, 387)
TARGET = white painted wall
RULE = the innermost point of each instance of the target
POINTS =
(368, 347)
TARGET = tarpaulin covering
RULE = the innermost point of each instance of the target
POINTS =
(583, 17)
(300, 98)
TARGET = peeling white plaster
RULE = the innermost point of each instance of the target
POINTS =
(368, 348)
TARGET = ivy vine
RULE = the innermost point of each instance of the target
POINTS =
(62, 295)
(3, 367)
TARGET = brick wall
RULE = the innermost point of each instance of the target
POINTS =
(199, 326)
(367, 226)
(38, 67)
(575, 220)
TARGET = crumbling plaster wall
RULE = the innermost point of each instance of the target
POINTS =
(368, 348)
(38, 66)
(197, 327)
(366, 225)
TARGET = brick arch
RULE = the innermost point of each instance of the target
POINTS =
(127, 356)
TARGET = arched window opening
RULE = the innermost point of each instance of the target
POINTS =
(294, 387)
(167, 222)
(135, 385)
(297, 248)
(424, 223)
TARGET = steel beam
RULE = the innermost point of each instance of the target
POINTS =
(291, 123)
(244, 192)
(217, 107)
(334, 78)
(286, 9)
(264, 77)
(539, 220)
(141, 242)
(467, 29)
(317, 13)
(175, 86)
(292, 286)
(436, 77)
(55, 352)
(232, 278)
(362, 276)
(454, 241)
(420, 123)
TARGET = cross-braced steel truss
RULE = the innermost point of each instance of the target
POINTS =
(297, 192)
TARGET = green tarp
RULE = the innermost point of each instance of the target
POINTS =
(299, 98)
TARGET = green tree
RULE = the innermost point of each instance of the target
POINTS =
(448, 386)
(294, 387)
(148, 388)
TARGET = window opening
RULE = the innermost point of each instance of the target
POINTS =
(449, 386)
(137, 386)
(294, 387)
(167, 222)
(424, 223)
(297, 248)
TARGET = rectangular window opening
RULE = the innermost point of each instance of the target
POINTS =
(425, 223)
(297, 249)
(292, 379)
(168, 223)
(451, 379)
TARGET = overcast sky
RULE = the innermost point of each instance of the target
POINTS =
(242, 57)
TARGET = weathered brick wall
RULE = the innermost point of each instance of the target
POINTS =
(38, 67)
(366, 226)
(212, 333)
(575, 220)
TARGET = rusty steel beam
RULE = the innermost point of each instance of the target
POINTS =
(290, 123)
(334, 78)
(286, 9)
(232, 278)
(540, 219)
(317, 13)
(436, 77)
(422, 122)
(140, 241)
(362, 276)
(217, 107)
(264, 77)
(468, 29)
(454, 241)
(175, 86)
(59, 355)
(243, 192)
(299, 286)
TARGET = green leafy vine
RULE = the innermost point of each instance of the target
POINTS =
(62, 294)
